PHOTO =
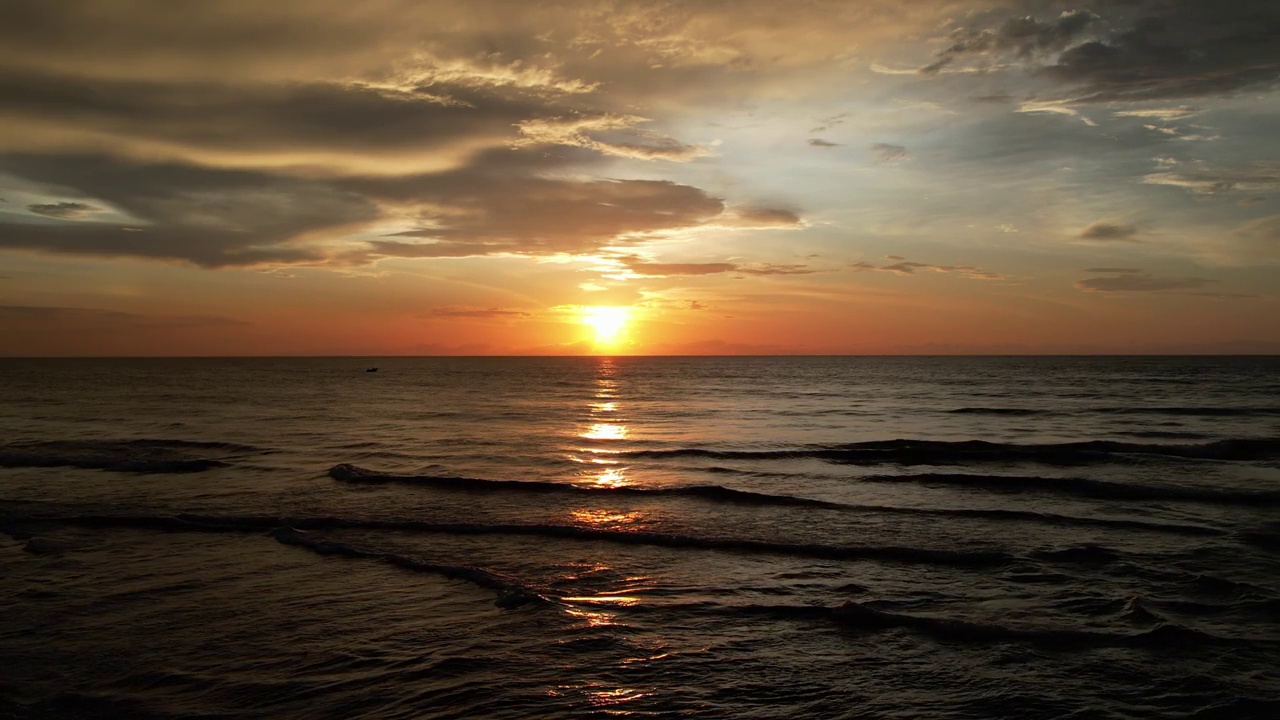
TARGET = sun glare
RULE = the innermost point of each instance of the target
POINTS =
(607, 322)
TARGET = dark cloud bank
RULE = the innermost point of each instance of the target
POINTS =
(1134, 50)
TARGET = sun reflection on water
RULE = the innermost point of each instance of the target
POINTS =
(603, 405)
(612, 477)
(607, 700)
(615, 697)
(599, 518)
(592, 618)
(605, 431)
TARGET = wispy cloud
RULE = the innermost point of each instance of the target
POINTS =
(1129, 280)
(1019, 37)
(453, 312)
(1165, 114)
(1103, 230)
(62, 210)
(1207, 180)
(618, 135)
(644, 268)
(888, 153)
(902, 266)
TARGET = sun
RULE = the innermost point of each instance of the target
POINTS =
(608, 323)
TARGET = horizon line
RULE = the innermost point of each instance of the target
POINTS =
(651, 355)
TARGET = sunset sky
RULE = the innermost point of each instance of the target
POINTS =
(503, 177)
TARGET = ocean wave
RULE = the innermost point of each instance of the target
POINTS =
(1189, 411)
(996, 411)
(1086, 488)
(138, 456)
(353, 474)
(1261, 539)
(1267, 609)
(511, 593)
(1165, 434)
(252, 523)
(1088, 553)
(719, 493)
(862, 615)
(940, 452)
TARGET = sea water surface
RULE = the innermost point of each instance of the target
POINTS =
(640, 537)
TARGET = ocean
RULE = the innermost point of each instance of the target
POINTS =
(746, 537)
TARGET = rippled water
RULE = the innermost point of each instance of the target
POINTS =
(577, 537)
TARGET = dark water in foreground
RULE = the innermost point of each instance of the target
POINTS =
(745, 538)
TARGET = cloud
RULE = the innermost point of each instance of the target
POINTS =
(1112, 270)
(750, 216)
(1177, 49)
(1126, 280)
(1055, 107)
(643, 268)
(993, 99)
(341, 125)
(611, 135)
(1165, 114)
(902, 266)
(205, 216)
(1254, 240)
(498, 204)
(1132, 50)
(1206, 180)
(1021, 37)
(886, 153)
(451, 312)
(1103, 230)
(376, 136)
(62, 210)
(819, 142)
(649, 269)
(774, 269)
(508, 213)
(98, 319)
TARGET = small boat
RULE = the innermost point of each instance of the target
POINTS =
(371, 369)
